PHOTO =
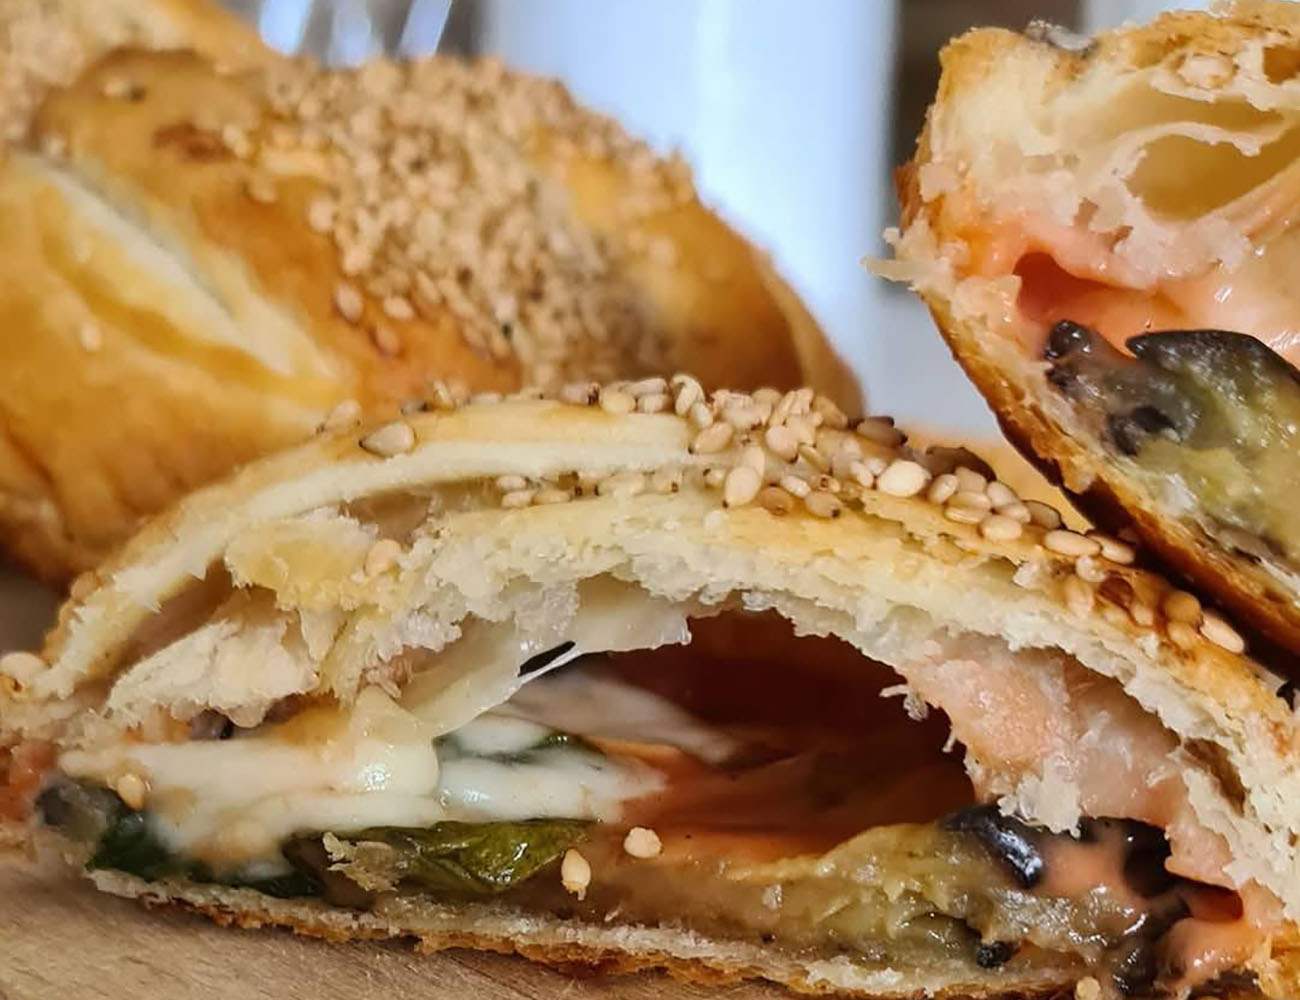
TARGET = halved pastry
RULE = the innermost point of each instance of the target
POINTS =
(1105, 231)
(726, 685)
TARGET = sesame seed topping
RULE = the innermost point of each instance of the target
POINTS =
(90, 336)
(998, 528)
(665, 481)
(517, 498)
(942, 489)
(1090, 568)
(510, 483)
(616, 401)
(654, 402)
(385, 340)
(903, 478)
(1016, 511)
(1001, 494)
(260, 188)
(654, 386)
(1180, 606)
(822, 504)
(963, 515)
(1218, 631)
(1113, 549)
(579, 393)
(132, 790)
(642, 842)
(1182, 634)
(688, 392)
(881, 431)
(1078, 597)
(382, 556)
(552, 494)
(575, 873)
(860, 474)
(782, 442)
(741, 486)
(970, 481)
(971, 500)
(795, 486)
(776, 500)
(814, 458)
(702, 415)
(342, 416)
(1069, 543)
(622, 484)
(1043, 515)
(398, 307)
(347, 300)
(712, 439)
(392, 439)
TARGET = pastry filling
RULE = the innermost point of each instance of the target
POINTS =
(690, 766)
(1209, 420)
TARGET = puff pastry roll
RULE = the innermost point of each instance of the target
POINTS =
(200, 264)
(728, 685)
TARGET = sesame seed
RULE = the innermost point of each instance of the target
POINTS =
(398, 307)
(903, 478)
(648, 387)
(382, 555)
(814, 458)
(347, 300)
(776, 500)
(971, 500)
(1182, 634)
(1180, 606)
(860, 474)
(1001, 494)
(83, 585)
(1069, 543)
(385, 340)
(260, 189)
(782, 409)
(1090, 568)
(942, 489)
(132, 790)
(782, 442)
(410, 407)
(21, 666)
(715, 477)
(653, 402)
(1043, 515)
(485, 398)
(1115, 615)
(827, 484)
(552, 494)
(616, 401)
(1087, 988)
(964, 515)
(1113, 549)
(642, 842)
(702, 415)
(1016, 511)
(517, 498)
(831, 415)
(795, 486)
(1219, 632)
(1078, 597)
(754, 456)
(881, 431)
(688, 392)
(510, 483)
(968, 480)
(342, 416)
(90, 336)
(712, 439)
(741, 486)
(579, 393)
(802, 428)
(575, 873)
(392, 439)
(767, 396)
(665, 481)
(320, 215)
(1142, 614)
(822, 504)
(999, 528)
(115, 87)
(622, 484)
(743, 417)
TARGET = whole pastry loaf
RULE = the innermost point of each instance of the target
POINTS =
(199, 264)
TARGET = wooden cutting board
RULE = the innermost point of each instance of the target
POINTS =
(62, 940)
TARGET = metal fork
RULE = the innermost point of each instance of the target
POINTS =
(346, 32)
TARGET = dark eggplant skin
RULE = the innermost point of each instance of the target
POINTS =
(1014, 843)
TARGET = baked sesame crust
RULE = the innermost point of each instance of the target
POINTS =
(243, 250)
(1238, 51)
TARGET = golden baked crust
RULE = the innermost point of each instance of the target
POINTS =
(219, 258)
(47, 43)
(1043, 153)
(641, 497)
